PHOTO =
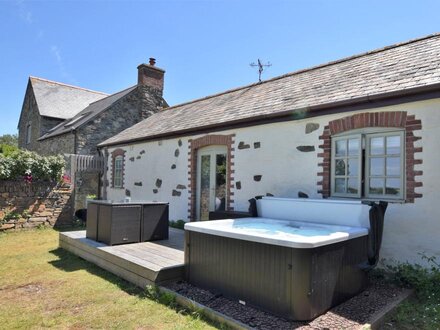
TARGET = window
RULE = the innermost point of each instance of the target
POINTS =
(118, 171)
(28, 133)
(368, 165)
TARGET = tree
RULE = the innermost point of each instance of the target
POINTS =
(9, 139)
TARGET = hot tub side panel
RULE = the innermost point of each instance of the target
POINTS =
(336, 274)
(298, 284)
(255, 273)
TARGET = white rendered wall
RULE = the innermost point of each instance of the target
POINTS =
(155, 164)
(410, 229)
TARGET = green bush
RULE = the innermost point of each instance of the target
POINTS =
(179, 224)
(22, 162)
(7, 149)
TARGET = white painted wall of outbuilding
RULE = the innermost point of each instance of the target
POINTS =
(410, 229)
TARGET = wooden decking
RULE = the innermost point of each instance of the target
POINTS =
(139, 263)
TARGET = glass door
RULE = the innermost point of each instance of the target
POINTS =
(211, 180)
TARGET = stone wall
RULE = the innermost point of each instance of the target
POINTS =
(58, 145)
(39, 125)
(29, 115)
(86, 183)
(139, 104)
(32, 205)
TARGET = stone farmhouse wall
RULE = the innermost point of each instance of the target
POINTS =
(126, 112)
(33, 205)
(286, 158)
(58, 145)
(39, 125)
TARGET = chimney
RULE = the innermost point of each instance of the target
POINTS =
(151, 76)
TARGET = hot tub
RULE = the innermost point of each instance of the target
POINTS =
(296, 268)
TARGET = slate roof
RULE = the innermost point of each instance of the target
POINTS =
(59, 100)
(87, 114)
(392, 69)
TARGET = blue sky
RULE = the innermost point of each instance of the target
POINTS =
(204, 46)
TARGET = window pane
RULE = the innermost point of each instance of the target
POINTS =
(340, 185)
(377, 166)
(393, 166)
(205, 178)
(353, 147)
(353, 185)
(376, 186)
(393, 145)
(205, 172)
(376, 146)
(341, 148)
(117, 182)
(340, 167)
(392, 187)
(353, 167)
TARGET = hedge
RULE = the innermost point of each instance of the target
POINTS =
(30, 166)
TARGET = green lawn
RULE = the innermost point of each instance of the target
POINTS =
(43, 286)
(422, 311)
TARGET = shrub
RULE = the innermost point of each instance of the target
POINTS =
(422, 312)
(179, 224)
(423, 280)
(23, 163)
(7, 149)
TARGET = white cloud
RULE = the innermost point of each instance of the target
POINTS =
(24, 12)
(56, 52)
(26, 16)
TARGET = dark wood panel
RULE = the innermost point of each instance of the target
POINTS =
(155, 222)
(298, 284)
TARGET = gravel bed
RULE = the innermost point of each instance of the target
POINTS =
(351, 314)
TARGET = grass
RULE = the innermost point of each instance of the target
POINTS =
(42, 286)
(422, 311)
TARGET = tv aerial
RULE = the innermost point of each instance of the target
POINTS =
(261, 67)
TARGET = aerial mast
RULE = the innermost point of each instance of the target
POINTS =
(261, 67)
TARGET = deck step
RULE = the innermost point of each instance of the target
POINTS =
(139, 263)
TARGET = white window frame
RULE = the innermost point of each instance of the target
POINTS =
(118, 164)
(368, 175)
(365, 135)
(346, 157)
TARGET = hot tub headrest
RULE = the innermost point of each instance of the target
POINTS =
(338, 212)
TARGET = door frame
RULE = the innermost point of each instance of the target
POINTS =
(194, 145)
(212, 151)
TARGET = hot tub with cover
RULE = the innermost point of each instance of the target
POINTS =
(297, 260)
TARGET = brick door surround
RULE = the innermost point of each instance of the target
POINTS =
(193, 147)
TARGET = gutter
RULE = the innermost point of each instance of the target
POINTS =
(405, 95)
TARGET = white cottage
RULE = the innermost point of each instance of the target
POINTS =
(364, 127)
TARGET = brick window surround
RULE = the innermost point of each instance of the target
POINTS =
(398, 119)
(193, 146)
(114, 154)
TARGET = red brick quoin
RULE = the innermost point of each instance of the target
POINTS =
(398, 119)
(193, 146)
(115, 153)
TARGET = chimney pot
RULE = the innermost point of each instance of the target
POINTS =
(152, 61)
